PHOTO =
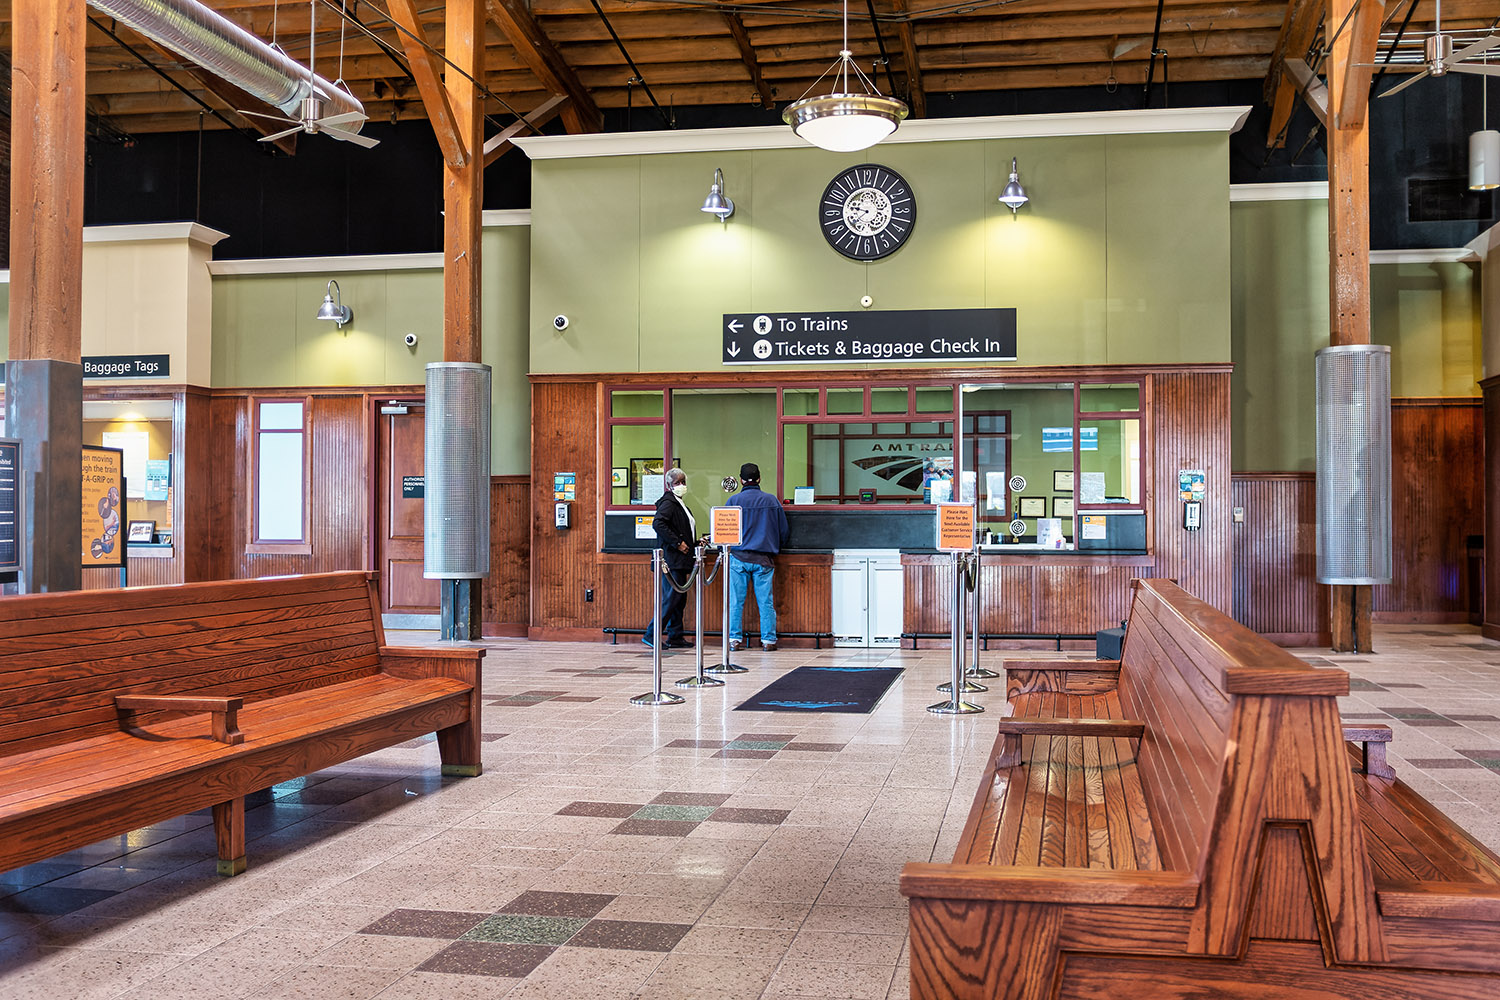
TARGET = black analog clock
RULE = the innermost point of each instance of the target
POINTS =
(867, 212)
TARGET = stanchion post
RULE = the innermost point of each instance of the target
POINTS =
(724, 666)
(698, 680)
(955, 705)
(961, 606)
(656, 696)
(975, 670)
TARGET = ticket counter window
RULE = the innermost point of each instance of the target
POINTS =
(1113, 463)
(714, 432)
(637, 446)
(280, 472)
(142, 431)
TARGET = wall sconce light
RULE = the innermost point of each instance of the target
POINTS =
(335, 310)
(1014, 195)
(716, 203)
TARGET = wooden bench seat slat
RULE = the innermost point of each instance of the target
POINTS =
(101, 765)
(1424, 831)
(78, 723)
(23, 655)
(1055, 808)
(1096, 819)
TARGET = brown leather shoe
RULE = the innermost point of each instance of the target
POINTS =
(736, 644)
(769, 647)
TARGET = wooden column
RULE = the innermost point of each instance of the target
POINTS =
(1349, 242)
(463, 204)
(463, 186)
(1490, 626)
(44, 377)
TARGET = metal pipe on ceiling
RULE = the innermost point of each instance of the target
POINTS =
(226, 50)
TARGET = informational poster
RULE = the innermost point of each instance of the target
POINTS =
(725, 526)
(955, 527)
(136, 445)
(1192, 485)
(1091, 487)
(158, 478)
(103, 507)
(643, 527)
(652, 488)
(10, 505)
(565, 487)
(1094, 526)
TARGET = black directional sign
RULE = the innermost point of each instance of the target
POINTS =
(893, 335)
(10, 505)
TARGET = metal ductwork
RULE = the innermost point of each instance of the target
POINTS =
(456, 466)
(226, 50)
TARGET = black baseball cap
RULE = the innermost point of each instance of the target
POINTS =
(750, 472)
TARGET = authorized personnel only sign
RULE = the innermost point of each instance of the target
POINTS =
(897, 334)
(725, 526)
(955, 527)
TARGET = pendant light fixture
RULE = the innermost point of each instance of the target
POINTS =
(1484, 146)
(844, 121)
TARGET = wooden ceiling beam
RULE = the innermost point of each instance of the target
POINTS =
(428, 72)
(1364, 36)
(1298, 28)
(534, 48)
(916, 96)
(1310, 87)
(747, 56)
(500, 143)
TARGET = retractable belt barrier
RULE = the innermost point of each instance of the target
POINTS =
(698, 680)
(955, 705)
(656, 696)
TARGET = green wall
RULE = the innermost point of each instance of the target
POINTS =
(1428, 313)
(265, 334)
(1122, 255)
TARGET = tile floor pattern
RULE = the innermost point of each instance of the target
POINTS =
(613, 851)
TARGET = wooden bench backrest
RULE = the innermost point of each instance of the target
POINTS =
(64, 657)
(1177, 663)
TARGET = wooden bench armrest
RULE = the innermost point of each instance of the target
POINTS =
(1011, 731)
(459, 662)
(434, 652)
(1372, 740)
(1063, 666)
(1095, 886)
(1069, 676)
(223, 712)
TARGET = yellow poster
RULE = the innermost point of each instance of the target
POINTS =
(103, 507)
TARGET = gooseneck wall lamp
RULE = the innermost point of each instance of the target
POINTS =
(716, 204)
(333, 306)
(1014, 195)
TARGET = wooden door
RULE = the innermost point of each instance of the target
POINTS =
(403, 590)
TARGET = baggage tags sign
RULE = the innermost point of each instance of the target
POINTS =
(724, 529)
(896, 334)
(955, 527)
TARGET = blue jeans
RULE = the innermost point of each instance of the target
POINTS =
(742, 576)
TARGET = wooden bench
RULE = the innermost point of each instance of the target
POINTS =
(293, 674)
(1191, 822)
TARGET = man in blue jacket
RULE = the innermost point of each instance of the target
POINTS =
(752, 563)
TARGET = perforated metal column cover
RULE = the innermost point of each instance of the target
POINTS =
(456, 464)
(1354, 464)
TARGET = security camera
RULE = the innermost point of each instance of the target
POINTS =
(559, 323)
(410, 340)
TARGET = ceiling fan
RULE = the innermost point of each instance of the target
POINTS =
(309, 113)
(1439, 57)
(310, 120)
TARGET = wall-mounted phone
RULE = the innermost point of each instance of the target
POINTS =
(560, 511)
(1192, 515)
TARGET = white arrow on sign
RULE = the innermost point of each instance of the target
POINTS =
(735, 326)
(733, 350)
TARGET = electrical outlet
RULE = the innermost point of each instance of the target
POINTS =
(588, 595)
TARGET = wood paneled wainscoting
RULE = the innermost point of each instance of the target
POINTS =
(507, 592)
(1437, 499)
(1185, 410)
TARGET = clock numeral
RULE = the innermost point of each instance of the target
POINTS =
(833, 212)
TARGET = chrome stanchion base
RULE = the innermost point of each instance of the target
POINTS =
(967, 687)
(955, 708)
(700, 682)
(726, 668)
(981, 673)
(658, 698)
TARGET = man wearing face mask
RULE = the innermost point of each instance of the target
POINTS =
(675, 533)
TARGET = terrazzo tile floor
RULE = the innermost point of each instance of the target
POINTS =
(612, 851)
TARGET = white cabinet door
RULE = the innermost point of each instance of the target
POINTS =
(851, 604)
(887, 604)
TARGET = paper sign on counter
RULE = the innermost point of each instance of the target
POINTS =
(1094, 526)
(955, 527)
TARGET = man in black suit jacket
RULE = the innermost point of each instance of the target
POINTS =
(676, 534)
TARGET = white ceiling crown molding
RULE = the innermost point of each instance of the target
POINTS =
(706, 140)
(1285, 191)
(329, 265)
(1485, 242)
(1444, 255)
(153, 231)
(506, 217)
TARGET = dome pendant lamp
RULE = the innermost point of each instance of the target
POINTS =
(1484, 146)
(844, 121)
